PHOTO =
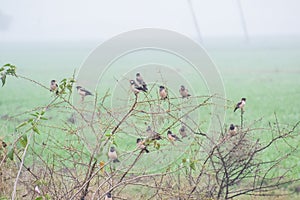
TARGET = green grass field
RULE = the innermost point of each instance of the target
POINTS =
(267, 75)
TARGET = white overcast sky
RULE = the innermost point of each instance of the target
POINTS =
(32, 20)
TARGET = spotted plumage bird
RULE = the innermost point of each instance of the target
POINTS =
(112, 155)
(184, 92)
(141, 81)
(108, 196)
(83, 92)
(182, 131)
(163, 92)
(141, 145)
(136, 88)
(54, 87)
(240, 104)
(172, 137)
(152, 134)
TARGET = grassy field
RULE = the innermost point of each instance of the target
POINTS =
(267, 75)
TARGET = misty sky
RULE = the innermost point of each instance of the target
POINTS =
(38, 20)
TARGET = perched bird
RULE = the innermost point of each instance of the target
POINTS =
(232, 130)
(83, 92)
(141, 81)
(163, 92)
(54, 87)
(182, 131)
(240, 104)
(112, 155)
(141, 145)
(172, 137)
(136, 88)
(72, 118)
(184, 92)
(108, 196)
(152, 134)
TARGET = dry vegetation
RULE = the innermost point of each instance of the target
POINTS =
(68, 159)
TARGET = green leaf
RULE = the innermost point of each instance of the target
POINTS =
(47, 196)
(184, 160)
(192, 165)
(22, 124)
(35, 115)
(6, 65)
(10, 154)
(35, 129)
(24, 140)
(157, 146)
(39, 198)
(107, 134)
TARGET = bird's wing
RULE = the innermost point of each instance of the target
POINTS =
(86, 91)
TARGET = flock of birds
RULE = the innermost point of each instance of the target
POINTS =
(137, 86)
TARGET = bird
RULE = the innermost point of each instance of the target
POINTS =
(182, 131)
(232, 130)
(152, 134)
(141, 81)
(163, 92)
(54, 87)
(141, 145)
(136, 88)
(108, 196)
(240, 104)
(172, 137)
(112, 155)
(83, 92)
(184, 92)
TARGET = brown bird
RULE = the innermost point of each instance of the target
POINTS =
(135, 87)
(152, 134)
(172, 137)
(54, 87)
(141, 81)
(112, 155)
(141, 145)
(182, 132)
(240, 104)
(83, 92)
(163, 92)
(232, 130)
(184, 92)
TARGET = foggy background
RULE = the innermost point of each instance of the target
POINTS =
(69, 20)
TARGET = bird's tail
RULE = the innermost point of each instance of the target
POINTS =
(116, 160)
(146, 150)
(156, 137)
(235, 109)
(145, 89)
